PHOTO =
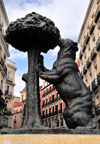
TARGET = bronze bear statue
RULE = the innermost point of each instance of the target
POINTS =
(73, 91)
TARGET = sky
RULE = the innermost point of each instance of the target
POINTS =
(68, 16)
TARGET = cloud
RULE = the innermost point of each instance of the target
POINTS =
(67, 15)
(19, 55)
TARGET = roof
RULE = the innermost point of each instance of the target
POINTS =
(24, 89)
(17, 104)
(85, 19)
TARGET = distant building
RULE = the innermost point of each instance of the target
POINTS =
(51, 106)
(8, 96)
(23, 94)
(89, 41)
(7, 73)
(16, 99)
(17, 118)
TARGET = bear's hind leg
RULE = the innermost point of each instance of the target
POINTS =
(82, 120)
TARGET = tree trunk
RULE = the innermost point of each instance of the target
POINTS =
(34, 118)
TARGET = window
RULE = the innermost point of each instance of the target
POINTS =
(89, 47)
(61, 107)
(98, 26)
(95, 68)
(86, 77)
(93, 44)
(49, 98)
(52, 98)
(46, 111)
(93, 37)
(8, 74)
(47, 101)
(97, 100)
(6, 101)
(90, 72)
(2, 85)
(53, 109)
(22, 97)
(49, 110)
(7, 89)
(85, 55)
(57, 95)
(4, 122)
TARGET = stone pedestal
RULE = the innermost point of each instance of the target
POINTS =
(49, 139)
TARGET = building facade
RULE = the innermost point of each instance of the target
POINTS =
(23, 94)
(17, 118)
(8, 97)
(51, 106)
(89, 41)
(7, 73)
(16, 99)
(4, 50)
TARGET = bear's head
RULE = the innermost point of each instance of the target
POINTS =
(67, 47)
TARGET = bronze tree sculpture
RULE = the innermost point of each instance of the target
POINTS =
(71, 88)
(34, 34)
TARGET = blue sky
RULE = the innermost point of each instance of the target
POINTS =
(68, 17)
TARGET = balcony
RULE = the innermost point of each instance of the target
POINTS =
(8, 110)
(84, 70)
(9, 79)
(84, 47)
(48, 92)
(98, 44)
(94, 84)
(97, 14)
(88, 63)
(98, 78)
(92, 27)
(93, 53)
(8, 93)
(80, 55)
(87, 38)
(2, 101)
(1, 62)
(3, 67)
(97, 109)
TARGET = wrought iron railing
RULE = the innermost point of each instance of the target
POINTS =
(98, 44)
(92, 27)
(8, 93)
(94, 84)
(97, 14)
(88, 63)
(87, 38)
(93, 53)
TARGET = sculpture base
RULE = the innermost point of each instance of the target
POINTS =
(49, 139)
(54, 131)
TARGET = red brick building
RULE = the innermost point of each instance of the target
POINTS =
(51, 106)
